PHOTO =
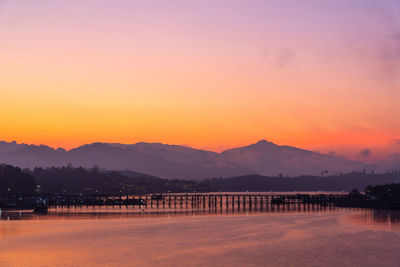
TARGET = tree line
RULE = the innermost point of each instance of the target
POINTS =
(73, 180)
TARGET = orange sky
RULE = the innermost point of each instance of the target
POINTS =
(323, 76)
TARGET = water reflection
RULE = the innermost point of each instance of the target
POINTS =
(370, 217)
(291, 235)
(129, 212)
(377, 218)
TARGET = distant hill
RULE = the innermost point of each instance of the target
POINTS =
(267, 158)
(257, 183)
(168, 161)
(93, 181)
(14, 180)
(173, 161)
(71, 180)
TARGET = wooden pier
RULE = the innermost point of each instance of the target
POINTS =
(244, 201)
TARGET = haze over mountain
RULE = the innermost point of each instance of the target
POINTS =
(173, 161)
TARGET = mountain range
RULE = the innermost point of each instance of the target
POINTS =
(174, 161)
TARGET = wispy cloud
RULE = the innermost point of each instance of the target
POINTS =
(280, 58)
(378, 48)
(365, 152)
(284, 57)
(395, 142)
(389, 54)
(394, 156)
(387, 45)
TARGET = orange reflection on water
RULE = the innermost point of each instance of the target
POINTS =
(324, 237)
(378, 219)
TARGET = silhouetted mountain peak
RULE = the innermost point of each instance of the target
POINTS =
(33, 148)
(8, 147)
(177, 161)
(264, 143)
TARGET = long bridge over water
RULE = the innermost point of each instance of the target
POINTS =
(176, 200)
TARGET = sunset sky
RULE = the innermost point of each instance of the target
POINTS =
(321, 75)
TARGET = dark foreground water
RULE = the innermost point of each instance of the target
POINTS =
(129, 237)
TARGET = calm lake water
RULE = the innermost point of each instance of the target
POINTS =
(151, 237)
